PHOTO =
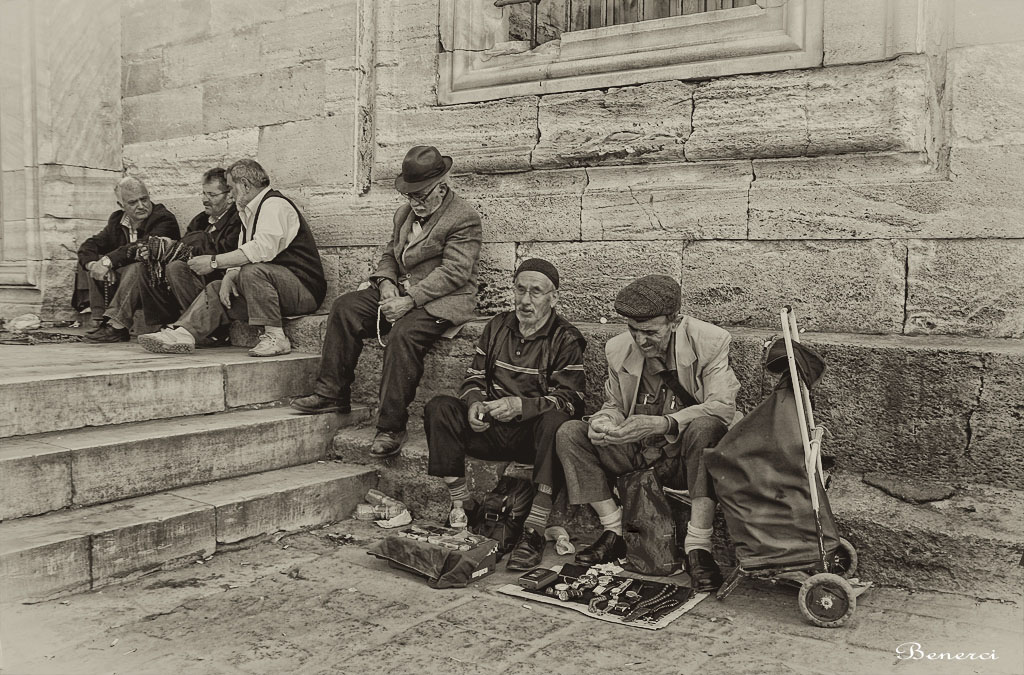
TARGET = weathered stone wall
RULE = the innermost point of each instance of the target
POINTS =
(60, 118)
(877, 196)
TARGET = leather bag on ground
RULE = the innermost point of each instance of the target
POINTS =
(647, 524)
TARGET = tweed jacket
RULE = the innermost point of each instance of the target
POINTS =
(702, 363)
(438, 268)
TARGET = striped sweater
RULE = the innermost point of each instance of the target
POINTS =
(544, 369)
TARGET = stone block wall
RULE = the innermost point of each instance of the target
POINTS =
(60, 144)
(876, 194)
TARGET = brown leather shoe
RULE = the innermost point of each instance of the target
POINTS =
(107, 333)
(315, 404)
(387, 443)
(705, 575)
(528, 553)
(609, 547)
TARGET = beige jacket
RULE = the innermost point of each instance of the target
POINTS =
(702, 362)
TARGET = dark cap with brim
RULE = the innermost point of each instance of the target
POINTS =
(649, 297)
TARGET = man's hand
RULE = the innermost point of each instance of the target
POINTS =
(505, 409)
(98, 270)
(387, 289)
(397, 307)
(598, 430)
(476, 410)
(200, 264)
(228, 289)
(637, 428)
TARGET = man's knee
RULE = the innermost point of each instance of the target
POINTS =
(569, 437)
(253, 273)
(442, 407)
(345, 309)
(704, 431)
(176, 268)
(551, 421)
(130, 273)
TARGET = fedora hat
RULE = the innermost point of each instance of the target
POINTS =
(422, 167)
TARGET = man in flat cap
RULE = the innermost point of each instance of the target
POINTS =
(525, 381)
(424, 285)
(670, 394)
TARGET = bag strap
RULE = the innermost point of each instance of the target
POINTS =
(671, 380)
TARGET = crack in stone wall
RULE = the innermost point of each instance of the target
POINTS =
(969, 431)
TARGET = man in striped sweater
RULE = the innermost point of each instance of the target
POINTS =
(526, 380)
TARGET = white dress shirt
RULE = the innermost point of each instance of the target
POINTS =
(277, 227)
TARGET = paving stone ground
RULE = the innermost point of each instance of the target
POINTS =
(307, 605)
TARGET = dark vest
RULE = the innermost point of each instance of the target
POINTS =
(301, 257)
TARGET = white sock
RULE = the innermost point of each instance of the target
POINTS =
(613, 521)
(274, 331)
(697, 537)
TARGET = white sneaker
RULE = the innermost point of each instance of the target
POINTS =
(271, 345)
(169, 341)
(458, 519)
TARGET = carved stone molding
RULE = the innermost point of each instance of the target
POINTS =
(477, 64)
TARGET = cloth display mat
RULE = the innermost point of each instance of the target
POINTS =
(683, 596)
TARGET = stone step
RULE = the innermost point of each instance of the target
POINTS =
(971, 543)
(96, 546)
(53, 387)
(942, 407)
(55, 470)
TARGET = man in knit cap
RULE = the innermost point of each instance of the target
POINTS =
(526, 381)
(670, 394)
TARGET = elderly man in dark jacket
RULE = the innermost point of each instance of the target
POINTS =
(105, 261)
(424, 285)
(213, 231)
(526, 381)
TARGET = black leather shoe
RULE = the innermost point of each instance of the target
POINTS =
(387, 444)
(107, 333)
(528, 551)
(609, 547)
(705, 576)
(315, 404)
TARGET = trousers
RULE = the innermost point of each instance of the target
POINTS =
(266, 293)
(353, 318)
(450, 439)
(589, 469)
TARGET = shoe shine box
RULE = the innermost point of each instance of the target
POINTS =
(447, 558)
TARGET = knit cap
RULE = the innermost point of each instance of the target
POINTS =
(649, 297)
(538, 265)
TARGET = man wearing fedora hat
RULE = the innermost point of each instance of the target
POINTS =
(424, 285)
(670, 394)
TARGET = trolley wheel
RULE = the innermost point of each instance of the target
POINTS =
(827, 600)
(844, 560)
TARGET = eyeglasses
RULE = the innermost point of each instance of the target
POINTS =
(211, 195)
(535, 294)
(418, 197)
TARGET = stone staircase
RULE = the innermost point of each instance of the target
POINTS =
(114, 461)
(923, 409)
(181, 455)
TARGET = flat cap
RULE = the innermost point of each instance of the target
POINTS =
(538, 265)
(649, 297)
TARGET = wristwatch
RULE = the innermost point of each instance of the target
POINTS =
(105, 261)
(213, 262)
